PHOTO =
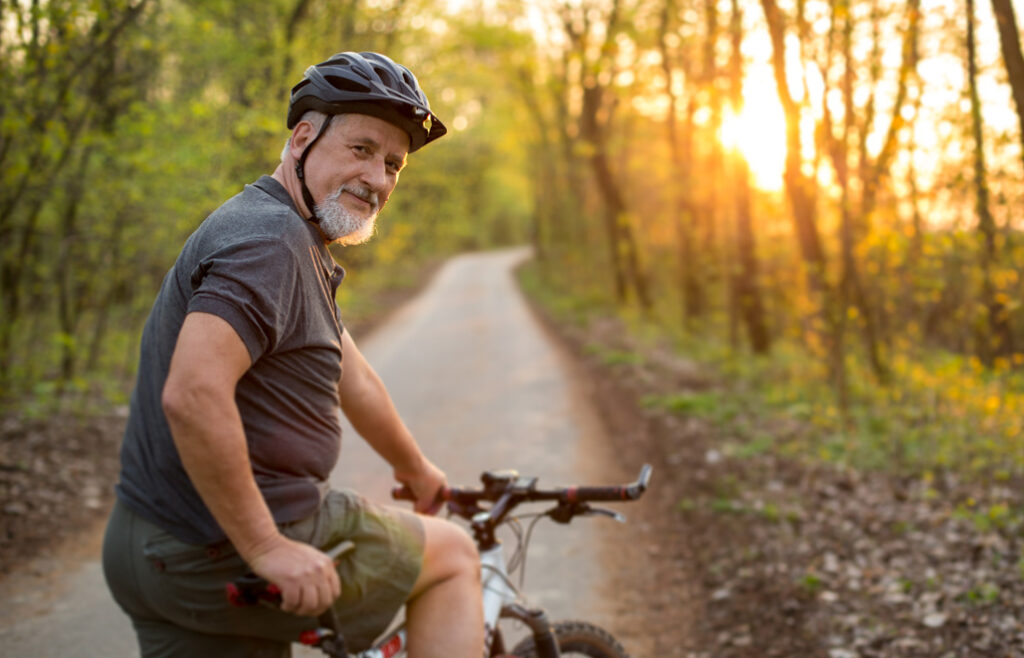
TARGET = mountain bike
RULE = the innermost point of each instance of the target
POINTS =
(488, 508)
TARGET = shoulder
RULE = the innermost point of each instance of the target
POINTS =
(254, 217)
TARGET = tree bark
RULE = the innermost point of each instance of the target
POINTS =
(595, 119)
(745, 281)
(799, 189)
(994, 337)
(1009, 41)
(681, 199)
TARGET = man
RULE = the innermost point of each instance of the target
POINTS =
(234, 427)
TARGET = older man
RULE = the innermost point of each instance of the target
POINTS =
(234, 427)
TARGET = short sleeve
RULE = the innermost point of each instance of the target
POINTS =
(251, 285)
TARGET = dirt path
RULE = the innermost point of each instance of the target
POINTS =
(484, 387)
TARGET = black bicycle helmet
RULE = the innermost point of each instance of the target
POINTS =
(367, 83)
(361, 83)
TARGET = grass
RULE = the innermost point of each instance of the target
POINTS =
(940, 412)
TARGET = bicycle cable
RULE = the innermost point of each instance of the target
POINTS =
(518, 560)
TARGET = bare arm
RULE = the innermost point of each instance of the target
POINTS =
(199, 402)
(366, 403)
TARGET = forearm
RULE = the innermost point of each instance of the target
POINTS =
(368, 406)
(372, 413)
(208, 433)
(199, 402)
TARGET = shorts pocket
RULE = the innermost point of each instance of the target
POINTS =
(170, 555)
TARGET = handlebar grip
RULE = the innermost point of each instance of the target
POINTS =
(626, 492)
(402, 492)
(585, 494)
(250, 589)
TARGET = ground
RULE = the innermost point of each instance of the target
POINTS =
(735, 554)
(751, 555)
(55, 482)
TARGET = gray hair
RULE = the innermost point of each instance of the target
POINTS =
(314, 117)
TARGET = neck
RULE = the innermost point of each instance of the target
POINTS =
(285, 175)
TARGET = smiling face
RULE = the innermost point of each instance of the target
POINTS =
(351, 172)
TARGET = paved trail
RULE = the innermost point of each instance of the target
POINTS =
(482, 387)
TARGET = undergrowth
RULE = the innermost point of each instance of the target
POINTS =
(939, 413)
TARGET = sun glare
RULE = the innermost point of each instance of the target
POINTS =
(758, 132)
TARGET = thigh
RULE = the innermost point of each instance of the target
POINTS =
(167, 585)
(175, 594)
(377, 577)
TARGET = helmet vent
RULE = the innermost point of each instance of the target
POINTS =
(385, 76)
(347, 84)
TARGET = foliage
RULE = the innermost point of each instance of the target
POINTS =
(941, 411)
(608, 133)
(125, 122)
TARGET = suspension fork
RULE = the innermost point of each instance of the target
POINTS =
(537, 621)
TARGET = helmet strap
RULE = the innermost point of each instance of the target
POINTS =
(300, 172)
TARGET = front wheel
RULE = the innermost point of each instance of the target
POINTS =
(577, 638)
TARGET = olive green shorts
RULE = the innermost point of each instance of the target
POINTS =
(174, 592)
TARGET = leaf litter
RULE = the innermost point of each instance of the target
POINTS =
(779, 557)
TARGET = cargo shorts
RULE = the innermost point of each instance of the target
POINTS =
(174, 592)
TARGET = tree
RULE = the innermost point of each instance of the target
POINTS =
(746, 273)
(681, 202)
(597, 67)
(994, 337)
(1009, 41)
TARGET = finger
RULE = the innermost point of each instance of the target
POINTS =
(291, 597)
(310, 602)
(334, 584)
(429, 504)
(326, 600)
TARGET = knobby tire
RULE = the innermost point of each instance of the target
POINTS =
(577, 638)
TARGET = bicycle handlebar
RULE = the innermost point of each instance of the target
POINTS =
(497, 484)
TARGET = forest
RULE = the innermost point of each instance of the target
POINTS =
(817, 194)
(814, 203)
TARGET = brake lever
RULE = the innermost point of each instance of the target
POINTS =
(600, 511)
(565, 512)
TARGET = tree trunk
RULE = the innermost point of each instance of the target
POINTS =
(745, 282)
(853, 289)
(1009, 40)
(799, 189)
(595, 119)
(824, 318)
(614, 206)
(994, 335)
(681, 194)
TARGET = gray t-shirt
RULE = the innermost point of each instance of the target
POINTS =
(258, 265)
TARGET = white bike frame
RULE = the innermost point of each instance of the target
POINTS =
(501, 598)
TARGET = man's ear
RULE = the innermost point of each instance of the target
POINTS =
(302, 134)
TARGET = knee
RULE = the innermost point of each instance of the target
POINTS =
(450, 549)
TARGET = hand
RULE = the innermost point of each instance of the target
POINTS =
(426, 484)
(306, 576)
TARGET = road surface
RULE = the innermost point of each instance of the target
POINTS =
(481, 386)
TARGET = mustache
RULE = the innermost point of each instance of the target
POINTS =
(359, 191)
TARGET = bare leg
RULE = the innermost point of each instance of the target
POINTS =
(444, 616)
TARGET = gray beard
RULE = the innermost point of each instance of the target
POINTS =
(340, 225)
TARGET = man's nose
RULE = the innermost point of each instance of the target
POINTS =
(375, 175)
